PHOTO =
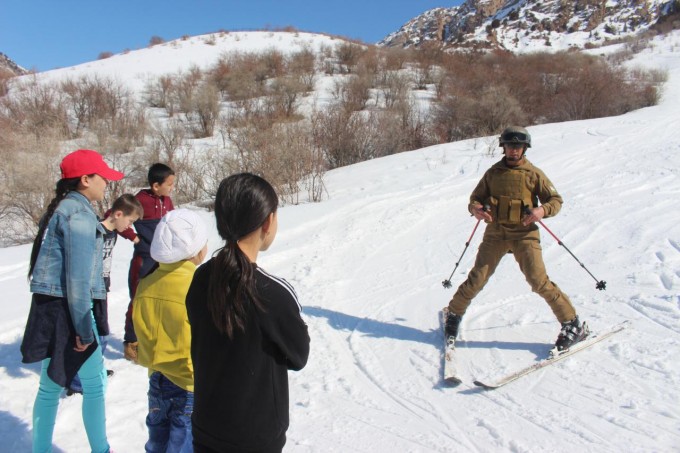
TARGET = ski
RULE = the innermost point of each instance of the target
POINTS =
(450, 374)
(594, 338)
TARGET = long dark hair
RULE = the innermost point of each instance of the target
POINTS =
(242, 204)
(64, 186)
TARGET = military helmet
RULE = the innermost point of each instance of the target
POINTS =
(515, 134)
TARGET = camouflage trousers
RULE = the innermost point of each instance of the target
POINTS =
(529, 256)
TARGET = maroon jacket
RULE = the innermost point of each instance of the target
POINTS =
(154, 206)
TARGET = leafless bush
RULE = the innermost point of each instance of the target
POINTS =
(240, 76)
(344, 137)
(396, 58)
(352, 92)
(35, 107)
(206, 107)
(166, 140)
(28, 176)
(396, 88)
(348, 55)
(282, 152)
(155, 40)
(272, 64)
(98, 102)
(186, 86)
(302, 65)
(5, 77)
(286, 93)
(158, 92)
(104, 55)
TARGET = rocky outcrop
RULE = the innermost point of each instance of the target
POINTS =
(509, 24)
(7, 65)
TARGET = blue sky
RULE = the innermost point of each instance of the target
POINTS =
(48, 34)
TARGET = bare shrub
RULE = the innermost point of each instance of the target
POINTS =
(240, 76)
(158, 91)
(352, 92)
(286, 93)
(155, 40)
(185, 88)
(342, 136)
(166, 140)
(36, 107)
(27, 159)
(302, 65)
(103, 105)
(284, 153)
(104, 55)
(396, 58)
(206, 108)
(348, 55)
(396, 88)
(273, 64)
(5, 77)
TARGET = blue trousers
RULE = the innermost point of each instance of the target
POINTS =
(169, 418)
(93, 378)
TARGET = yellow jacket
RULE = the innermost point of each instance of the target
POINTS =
(161, 323)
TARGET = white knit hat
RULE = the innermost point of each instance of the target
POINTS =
(180, 235)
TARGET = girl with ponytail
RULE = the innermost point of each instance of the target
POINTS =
(65, 274)
(246, 328)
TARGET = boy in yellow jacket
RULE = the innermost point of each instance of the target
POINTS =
(164, 337)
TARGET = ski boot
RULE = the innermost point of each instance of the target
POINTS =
(451, 327)
(572, 332)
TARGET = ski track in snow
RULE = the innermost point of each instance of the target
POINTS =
(368, 263)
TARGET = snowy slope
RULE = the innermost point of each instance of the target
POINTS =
(368, 265)
(134, 68)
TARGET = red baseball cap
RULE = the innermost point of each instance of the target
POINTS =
(87, 162)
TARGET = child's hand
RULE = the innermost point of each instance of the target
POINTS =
(80, 347)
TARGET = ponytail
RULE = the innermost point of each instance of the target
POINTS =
(242, 204)
(231, 287)
(64, 186)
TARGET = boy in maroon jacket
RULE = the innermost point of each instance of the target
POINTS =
(156, 203)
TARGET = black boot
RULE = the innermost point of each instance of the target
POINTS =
(452, 324)
(572, 332)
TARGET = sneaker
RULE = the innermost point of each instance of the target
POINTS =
(572, 332)
(130, 351)
(452, 324)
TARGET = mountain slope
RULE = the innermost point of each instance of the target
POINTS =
(7, 65)
(518, 25)
(136, 67)
(368, 263)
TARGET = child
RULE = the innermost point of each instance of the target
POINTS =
(164, 339)
(156, 203)
(65, 274)
(125, 210)
(246, 329)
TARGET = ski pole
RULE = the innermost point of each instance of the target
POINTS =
(601, 284)
(447, 283)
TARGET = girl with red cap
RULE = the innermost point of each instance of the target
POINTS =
(65, 275)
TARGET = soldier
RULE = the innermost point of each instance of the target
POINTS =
(507, 199)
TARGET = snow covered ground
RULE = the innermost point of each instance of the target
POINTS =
(368, 264)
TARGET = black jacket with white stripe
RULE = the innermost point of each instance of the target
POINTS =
(241, 384)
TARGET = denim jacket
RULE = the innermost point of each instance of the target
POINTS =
(69, 264)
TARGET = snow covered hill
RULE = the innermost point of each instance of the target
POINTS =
(135, 68)
(368, 265)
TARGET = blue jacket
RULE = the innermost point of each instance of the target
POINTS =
(69, 264)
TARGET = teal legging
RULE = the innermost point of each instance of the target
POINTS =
(93, 377)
